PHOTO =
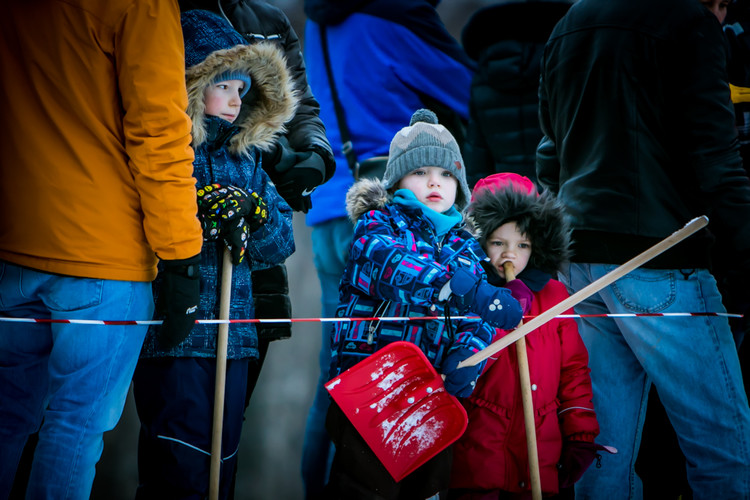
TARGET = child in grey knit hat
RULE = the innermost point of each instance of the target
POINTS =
(425, 142)
(411, 257)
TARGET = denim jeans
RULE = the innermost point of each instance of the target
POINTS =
(331, 242)
(693, 363)
(70, 379)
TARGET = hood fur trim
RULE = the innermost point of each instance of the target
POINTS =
(366, 195)
(270, 103)
(541, 218)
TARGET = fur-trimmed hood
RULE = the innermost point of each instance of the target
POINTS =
(212, 47)
(541, 218)
(366, 195)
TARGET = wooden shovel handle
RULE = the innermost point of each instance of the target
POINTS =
(584, 293)
(528, 403)
(222, 342)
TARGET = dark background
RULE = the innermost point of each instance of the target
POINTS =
(271, 448)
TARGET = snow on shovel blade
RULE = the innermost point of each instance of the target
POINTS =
(397, 402)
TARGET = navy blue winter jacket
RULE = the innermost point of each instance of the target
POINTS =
(397, 267)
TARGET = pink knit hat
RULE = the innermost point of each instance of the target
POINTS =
(503, 181)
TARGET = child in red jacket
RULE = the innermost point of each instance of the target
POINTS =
(491, 459)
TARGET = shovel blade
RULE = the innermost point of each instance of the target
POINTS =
(398, 404)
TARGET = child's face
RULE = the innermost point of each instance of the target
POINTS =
(223, 99)
(506, 243)
(434, 186)
(718, 7)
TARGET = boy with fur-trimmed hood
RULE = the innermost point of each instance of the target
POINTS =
(411, 256)
(238, 206)
(513, 223)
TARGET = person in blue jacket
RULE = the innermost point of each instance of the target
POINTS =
(238, 206)
(412, 257)
(388, 58)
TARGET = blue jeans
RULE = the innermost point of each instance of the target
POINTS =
(693, 363)
(331, 242)
(69, 379)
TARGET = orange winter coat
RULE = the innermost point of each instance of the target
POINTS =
(95, 158)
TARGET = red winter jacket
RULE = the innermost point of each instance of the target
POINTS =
(492, 452)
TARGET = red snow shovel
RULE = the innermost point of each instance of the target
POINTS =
(397, 402)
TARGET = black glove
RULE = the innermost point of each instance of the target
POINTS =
(178, 300)
(236, 235)
(217, 204)
(459, 382)
(271, 297)
(297, 184)
(279, 158)
(493, 304)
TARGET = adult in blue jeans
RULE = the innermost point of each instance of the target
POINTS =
(388, 59)
(96, 147)
(631, 170)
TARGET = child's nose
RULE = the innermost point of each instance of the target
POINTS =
(236, 100)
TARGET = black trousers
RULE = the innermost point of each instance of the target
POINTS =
(358, 474)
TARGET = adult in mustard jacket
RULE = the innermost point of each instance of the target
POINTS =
(95, 186)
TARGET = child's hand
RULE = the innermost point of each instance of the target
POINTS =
(521, 293)
(236, 237)
(459, 382)
(576, 457)
(218, 204)
(494, 304)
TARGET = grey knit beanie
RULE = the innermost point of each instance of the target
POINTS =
(426, 143)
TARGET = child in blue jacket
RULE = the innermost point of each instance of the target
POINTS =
(239, 207)
(411, 257)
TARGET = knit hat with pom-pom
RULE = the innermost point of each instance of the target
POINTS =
(426, 143)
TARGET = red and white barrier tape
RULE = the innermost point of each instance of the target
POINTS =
(337, 320)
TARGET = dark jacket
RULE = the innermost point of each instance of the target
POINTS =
(640, 135)
(227, 153)
(507, 41)
(397, 266)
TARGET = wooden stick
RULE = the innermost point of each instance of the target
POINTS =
(584, 293)
(528, 403)
(221, 376)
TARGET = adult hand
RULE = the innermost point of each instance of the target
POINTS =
(178, 300)
(297, 184)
